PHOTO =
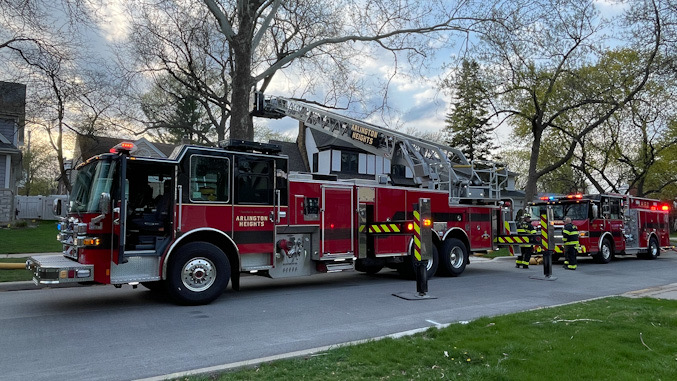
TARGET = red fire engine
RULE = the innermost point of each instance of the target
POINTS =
(609, 224)
(192, 223)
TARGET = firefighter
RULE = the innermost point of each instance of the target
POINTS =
(525, 227)
(570, 239)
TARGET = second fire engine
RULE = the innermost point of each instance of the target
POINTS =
(608, 224)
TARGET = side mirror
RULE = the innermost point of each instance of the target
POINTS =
(104, 203)
(56, 207)
(595, 211)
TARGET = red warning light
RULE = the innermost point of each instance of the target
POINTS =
(410, 226)
(665, 208)
(124, 147)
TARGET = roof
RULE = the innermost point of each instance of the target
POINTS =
(291, 149)
(94, 145)
(8, 148)
(324, 140)
(13, 98)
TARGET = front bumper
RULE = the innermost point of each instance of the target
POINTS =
(54, 269)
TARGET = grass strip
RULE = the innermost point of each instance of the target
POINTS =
(608, 339)
(38, 237)
(14, 275)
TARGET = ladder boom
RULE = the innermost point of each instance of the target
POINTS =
(434, 166)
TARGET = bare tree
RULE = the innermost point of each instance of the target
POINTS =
(246, 43)
(173, 43)
(542, 60)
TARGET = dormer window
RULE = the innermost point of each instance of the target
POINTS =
(349, 162)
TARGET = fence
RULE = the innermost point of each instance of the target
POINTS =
(39, 207)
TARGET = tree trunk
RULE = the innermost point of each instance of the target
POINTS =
(530, 189)
(241, 125)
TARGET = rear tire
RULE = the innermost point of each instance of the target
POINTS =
(454, 257)
(653, 251)
(369, 265)
(197, 274)
(407, 268)
(606, 252)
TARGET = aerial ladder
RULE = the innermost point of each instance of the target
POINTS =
(434, 166)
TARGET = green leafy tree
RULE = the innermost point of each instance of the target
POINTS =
(546, 66)
(174, 112)
(39, 170)
(467, 124)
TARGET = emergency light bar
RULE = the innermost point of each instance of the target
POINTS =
(123, 147)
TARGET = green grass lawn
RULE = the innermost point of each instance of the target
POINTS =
(609, 339)
(38, 237)
(502, 252)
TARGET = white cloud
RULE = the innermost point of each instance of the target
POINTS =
(114, 24)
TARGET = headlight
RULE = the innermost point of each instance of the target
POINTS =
(81, 228)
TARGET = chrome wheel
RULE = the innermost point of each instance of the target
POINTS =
(198, 274)
(456, 257)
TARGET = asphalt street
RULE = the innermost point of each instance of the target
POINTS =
(103, 333)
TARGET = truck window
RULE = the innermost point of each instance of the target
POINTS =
(209, 179)
(254, 181)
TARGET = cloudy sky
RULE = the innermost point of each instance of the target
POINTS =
(416, 103)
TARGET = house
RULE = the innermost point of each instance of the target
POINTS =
(12, 121)
(324, 154)
(87, 146)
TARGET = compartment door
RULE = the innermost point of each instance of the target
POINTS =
(337, 221)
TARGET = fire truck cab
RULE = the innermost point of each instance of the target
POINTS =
(608, 224)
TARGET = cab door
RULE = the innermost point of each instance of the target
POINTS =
(260, 202)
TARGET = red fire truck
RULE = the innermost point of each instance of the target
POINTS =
(609, 224)
(190, 224)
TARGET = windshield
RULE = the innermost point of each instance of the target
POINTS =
(577, 211)
(92, 180)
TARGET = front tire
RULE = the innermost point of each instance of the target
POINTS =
(197, 274)
(454, 257)
(606, 252)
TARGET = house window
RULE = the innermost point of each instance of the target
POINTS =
(349, 162)
(316, 164)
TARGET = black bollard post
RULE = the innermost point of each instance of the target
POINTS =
(547, 263)
(422, 277)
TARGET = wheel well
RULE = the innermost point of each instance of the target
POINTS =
(607, 237)
(216, 238)
(459, 235)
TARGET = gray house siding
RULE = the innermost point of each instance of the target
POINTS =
(3, 171)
